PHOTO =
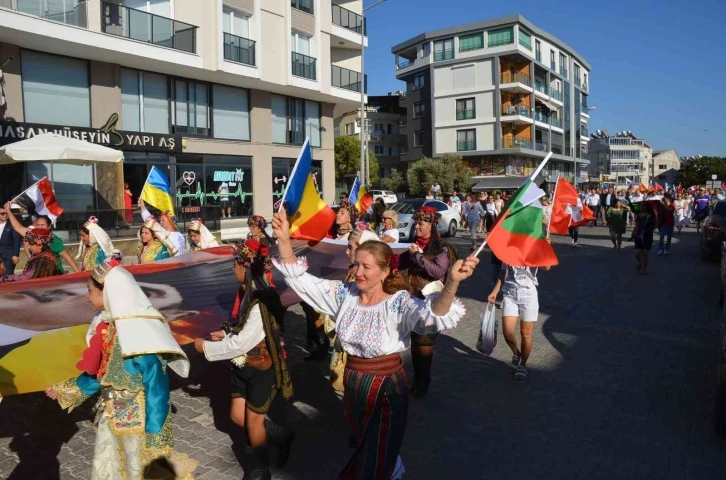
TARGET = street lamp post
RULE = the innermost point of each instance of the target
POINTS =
(364, 173)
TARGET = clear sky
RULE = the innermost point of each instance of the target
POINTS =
(658, 67)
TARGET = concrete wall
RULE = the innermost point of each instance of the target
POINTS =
(13, 107)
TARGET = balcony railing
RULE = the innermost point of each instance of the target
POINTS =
(70, 12)
(516, 142)
(555, 122)
(147, 27)
(465, 114)
(584, 109)
(516, 77)
(538, 56)
(556, 149)
(402, 124)
(303, 66)
(540, 86)
(466, 146)
(304, 5)
(348, 79)
(584, 132)
(553, 66)
(347, 19)
(563, 72)
(556, 94)
(542, 146)
(542, 117)
(405, 63)
(516, 110)
(447, 54)
(584, 86)
(239, 49)
(577, 80)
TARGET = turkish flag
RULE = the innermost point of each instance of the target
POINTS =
(658, 187)
(567, 209)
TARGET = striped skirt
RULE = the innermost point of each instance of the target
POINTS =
(376, 405)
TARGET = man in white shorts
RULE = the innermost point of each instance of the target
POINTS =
(520, 300)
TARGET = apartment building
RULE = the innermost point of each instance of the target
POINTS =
(666, 164)
(620, 158)
(502, 93)
(384, 118)
(213, 92)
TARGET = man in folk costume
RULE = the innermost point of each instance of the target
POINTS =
(41, 262)
(95, 245)
(130, 350)
(169, 231)
(255, 348)
(426, 262)
(199, 236)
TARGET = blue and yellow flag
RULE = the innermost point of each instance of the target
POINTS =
(359, 196)
(310, 217)
(157, 191)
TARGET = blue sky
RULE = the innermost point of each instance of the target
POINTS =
(658, 67)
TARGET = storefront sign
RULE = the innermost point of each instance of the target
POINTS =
(229, 176)
(107, 136)
(191, 209)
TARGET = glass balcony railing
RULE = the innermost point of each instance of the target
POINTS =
(516, 77)
(542, 146)
(516, 110)
(563, 72)
(584, 109)
(465, 114)
(516, 142)
(538, 56)
(239, 49)
(555, 122)
(577, 81)
(303, 66)
(304, 5)
(542, 117)
(147, 27)
(348, 79)
(466, 146)
(404, 64)
(584, 132)
(444, 55)
(70, 12)
(347, 19)
(540, 86)
(556, 94)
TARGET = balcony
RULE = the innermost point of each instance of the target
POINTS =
(521, 110)
(563, 72)
(447, 54)
(466, 146)
(556, 149)
(343, 17)
(70, 12)
(239, 49)
(538, 56)
(304, 5)
(584, 132)
(348, 79)
(516, 142)
(577, 80)
(555, 122)
(516, 77)
(405, 63)
(541, 117)
(542, 146)
(147, 27)
(584, 86)
(465, 114)
(556, 94)
(303, 66)
(553, 66)
(540, 86)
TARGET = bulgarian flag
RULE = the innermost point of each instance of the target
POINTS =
(518, 238)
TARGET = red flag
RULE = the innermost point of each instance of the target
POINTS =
(680, 188)
(567, 209)
(658, 187)
(39, 199)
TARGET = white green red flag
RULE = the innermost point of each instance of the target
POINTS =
(567, 209)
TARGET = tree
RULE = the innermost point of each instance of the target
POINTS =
(449, 171)
(392, 182)
(347, 159)
(698, 171)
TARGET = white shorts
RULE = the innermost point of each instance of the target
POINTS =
(520, 302)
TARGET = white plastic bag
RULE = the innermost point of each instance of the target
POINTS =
(488, 332)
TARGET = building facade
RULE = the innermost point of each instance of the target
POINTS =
(502, 93)
(384, 119)
(666, 164)
(617, 159)
(213, 92)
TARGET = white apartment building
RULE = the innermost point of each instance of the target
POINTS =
(620, 158)
(212, 91)
(502, 93)
(666, 164)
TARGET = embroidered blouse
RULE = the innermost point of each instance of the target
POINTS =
(236, 344)
(369, 331)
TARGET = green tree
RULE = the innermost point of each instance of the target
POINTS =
(347, 159)
(392, 182)
(699, 171)
(449, 171)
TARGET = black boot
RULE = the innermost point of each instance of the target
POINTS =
(422, 378)
(257, 463)
(280, 438)
(310, 336)
(323, 345)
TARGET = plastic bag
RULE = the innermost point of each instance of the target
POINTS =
(488, 332)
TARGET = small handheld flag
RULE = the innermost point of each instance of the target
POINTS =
(39, 199)
(360, 197)
(157, 191)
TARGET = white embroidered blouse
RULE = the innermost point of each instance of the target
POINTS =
(368, 331)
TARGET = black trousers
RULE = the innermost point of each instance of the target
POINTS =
(574, 233)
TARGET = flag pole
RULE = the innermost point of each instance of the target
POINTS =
(552, 207)
(294, 170)
(18, 195)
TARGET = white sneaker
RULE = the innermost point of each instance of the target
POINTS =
(660, 252)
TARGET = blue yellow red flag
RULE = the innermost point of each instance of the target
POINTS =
(359, 196)
(157, 191)
(310, 217)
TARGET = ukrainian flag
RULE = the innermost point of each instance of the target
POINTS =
(310, 217)
(157, 191)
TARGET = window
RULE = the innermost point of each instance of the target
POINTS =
(502, 36)
(419, 138)
(538, 50)
(464, 78)
(465, 109)
(55, 89)
(525, 39)
(474, 41)
(157, 7)
(231, 113)
(444, 50)
(300, 43)
(425, 49)
(465, 140)
(304, 5)
(662, 167)
(577, 75)
(144, 102)
(418, 81)
(418, 109)
(190, 112)
(378, 149)
(349, 129)
(312, 122)
(293, 119)
(584, 81)
(389, 128)
(563, 65)
(235, 23)
(553, 66)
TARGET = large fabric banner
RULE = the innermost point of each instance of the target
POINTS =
(43, 322)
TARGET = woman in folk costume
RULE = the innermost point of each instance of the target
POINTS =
(254, 349)
(199, 236)
(375, 317)
(258, 225)
(427, 261)
(41, 262)
(95, 245)
(154, 244)
(168, 231)
(130, 348)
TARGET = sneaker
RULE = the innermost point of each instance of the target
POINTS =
(515, 364)
(660, 252)
(574, 242)
(521, 373)
(665, 252)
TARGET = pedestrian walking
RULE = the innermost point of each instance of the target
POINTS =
(616, 219)
(593, 201)
(667, 222)
(681, 212)
(473, 214)
(643, 236)
(700, 207)
(574, 233)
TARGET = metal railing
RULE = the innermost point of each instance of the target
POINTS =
(516, 77)
(516, 110)
(556, 94)
(555, 122)
(147, 27)
(347, 19)
(405, 63)
(304, 5)
(447, 54)
(465, 114)
(542, 146)
(466, 145)
(239, 49)
(516, 142)
(348, 79)
(303, 66)
(70, 12)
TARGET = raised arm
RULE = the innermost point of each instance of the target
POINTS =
(17, 226)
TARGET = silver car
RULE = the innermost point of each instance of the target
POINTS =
(448, 225)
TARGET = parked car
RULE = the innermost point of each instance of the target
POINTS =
(448, 225)
(711, 233)
(389, 198)
(406, 225)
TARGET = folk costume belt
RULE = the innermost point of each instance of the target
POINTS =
(384, 365)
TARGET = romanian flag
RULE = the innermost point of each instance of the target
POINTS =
(360, 197)
(157, 191)
(310, 217)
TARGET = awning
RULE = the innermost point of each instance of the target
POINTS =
(547, 104)
(58, 148)
(503, 183)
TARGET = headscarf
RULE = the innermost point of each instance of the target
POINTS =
(251, 253)
(427, 214)
(257, 221)
(159, 233)
(39, 235)
(97, 235)
(206, 240)
(255, 257)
